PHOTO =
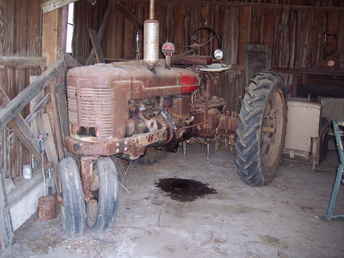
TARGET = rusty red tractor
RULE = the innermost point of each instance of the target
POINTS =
(118, 110)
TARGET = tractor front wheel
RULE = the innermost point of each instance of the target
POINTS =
(103, 209)
(73, 208)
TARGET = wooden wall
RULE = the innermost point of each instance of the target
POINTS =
(294, 34)
(20, 34)
(293, 29)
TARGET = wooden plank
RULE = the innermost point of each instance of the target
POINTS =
(22, 130)
(27, 138)
(100, 33)
(7, 11)
(129, 52)
(34, 27)
(96, 46)
(49, 145)
(33, 104)
(6, 230)
(341, 40)
(37, 109)
(23, 61)
(275, 5)
(61, 102)
(10, 111)
(235, 21)
(245, 32)
(50, 36)
(54, 117)
(52, 5)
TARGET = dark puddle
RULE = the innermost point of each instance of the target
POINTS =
(184, 190)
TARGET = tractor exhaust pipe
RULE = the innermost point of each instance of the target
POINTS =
(151, 10)
(151, 38)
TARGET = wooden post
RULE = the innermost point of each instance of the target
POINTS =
(54, 30)
(50, 37)
(53, 34)
(6, 229)
(54, 118)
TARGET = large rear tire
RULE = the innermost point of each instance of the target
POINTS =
(73, 208)
(261, 130)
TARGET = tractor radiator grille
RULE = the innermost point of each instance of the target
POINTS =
(92, 107)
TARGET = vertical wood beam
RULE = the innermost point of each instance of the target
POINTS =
(50, 37)
(53, 34)
(54, 37)
(6, 229)
(7, 9)
(245, 31)
(341, 41)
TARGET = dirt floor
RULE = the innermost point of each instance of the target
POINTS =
(279, 220)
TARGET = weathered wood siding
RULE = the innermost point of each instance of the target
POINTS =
(20, 34)
(293, 33)
(294, 30)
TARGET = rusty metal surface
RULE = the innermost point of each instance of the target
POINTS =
(113, 99)
(98, 95)
(87, 176)
(47, 207)
(132, 146)
(181, 108)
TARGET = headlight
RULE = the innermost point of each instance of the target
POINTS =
(218, 54)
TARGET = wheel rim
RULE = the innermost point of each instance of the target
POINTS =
(92, 205)
(272, 130)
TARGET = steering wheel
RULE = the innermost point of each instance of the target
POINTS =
(212, 36)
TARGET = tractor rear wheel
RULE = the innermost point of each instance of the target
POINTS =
(73, 209)
(261, 130)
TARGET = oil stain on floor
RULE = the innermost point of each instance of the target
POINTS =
(184, 190)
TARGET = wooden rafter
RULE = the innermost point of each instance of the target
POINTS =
(23, 61)
(272, 5)
(52, 5)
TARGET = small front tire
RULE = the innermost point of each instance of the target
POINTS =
(73, 208)
(107, 171)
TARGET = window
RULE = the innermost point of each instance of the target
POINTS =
(70, 28)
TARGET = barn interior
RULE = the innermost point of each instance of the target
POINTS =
(142, 128)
